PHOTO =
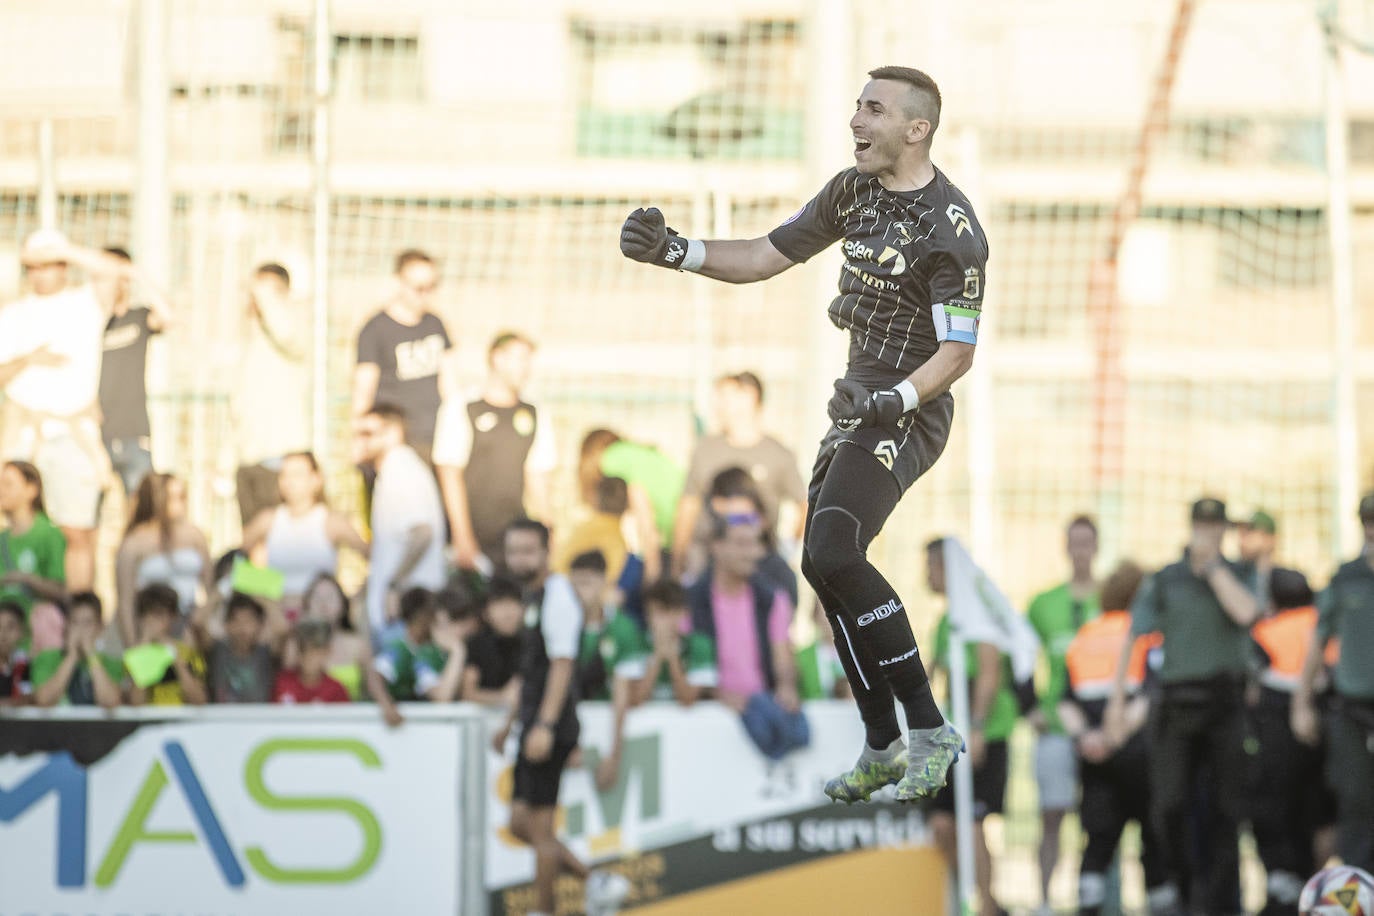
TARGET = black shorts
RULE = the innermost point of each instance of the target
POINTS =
(989, 785)
(907, 456)
(536, 784)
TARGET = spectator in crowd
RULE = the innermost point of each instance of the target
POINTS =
(602, 531)
(15, 687)
(654, 482)
(157, 608)
(301, 537)
(1290, 801)
(1258, 541)
(123, 371)
(747, 619)
(161, 546)
(992, 716)
(407, 516)
(243, 663)
(741, 442)
(492, 676)
(78, 674)
(50, 347)
(350, 653)
(413, 665)
(32, 553)
(310, 682)
(1056, 615)
(610, 659)
(460, 619)
(1345, 611)
(494, 455)
(402, 353)
(270, 397)
(547, 713)
(733, 492)
(1115, 767)
(820, 674)
(1204, 611)
(681, 662)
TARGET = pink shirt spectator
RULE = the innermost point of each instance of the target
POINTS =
(737, 649)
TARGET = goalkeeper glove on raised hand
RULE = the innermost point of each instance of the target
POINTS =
(646, 237)
(853, 407)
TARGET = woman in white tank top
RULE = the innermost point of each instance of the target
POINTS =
(161, 546)
(301, 537)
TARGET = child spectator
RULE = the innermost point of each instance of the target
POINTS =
(162, 671)
(350, 652)
(242, 667)
(310, 683)
(602, 531)
(14, 664)
(413, 666)
(493, 655)
(78, 674)
(820, 675)
(682, 665)
(458, 621)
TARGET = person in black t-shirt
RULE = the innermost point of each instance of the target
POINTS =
(402, 352)
(123, 371)
(910, 296)
(493, 456)
(491, 674)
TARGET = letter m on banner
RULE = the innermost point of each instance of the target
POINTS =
(63, 776)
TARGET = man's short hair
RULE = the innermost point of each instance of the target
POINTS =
(589, 561)
(412, 256)
(505, 339)
(417, 601)
(734, 481)
(274, 270)
(14, 609)
(935, 545)
(389, 414)
(612, 496)
(158, 597)
(88, 599)
(239, 601)
(1084, 521)
(458, 602)
(504, 588)
(121, 253)
(667, 594)
(1118, 591)
(1289, 589)
(925, 95)
(747, 379)
(529, 524)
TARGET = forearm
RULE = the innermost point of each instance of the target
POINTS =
(450, 679)
(1236, 600)
(51, 691)
(620, 704)
(106, 690)
(742, 260)
(985, 685)
(417, 542)
(192, 690)
(47, 589)
(934, 377)
(785, 667)
(537, 496)
(1302, 694)
(10, 370)
(688, 510)
(555, 690)
(376, 689)
(1072, 718)
(684, 691)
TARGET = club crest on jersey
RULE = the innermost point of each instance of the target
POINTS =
(903, 231)
(958, 219)
(972, 283)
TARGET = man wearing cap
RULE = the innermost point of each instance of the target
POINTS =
(1203, 609)
(1345, 611)
(1258, 538)
(50, 352)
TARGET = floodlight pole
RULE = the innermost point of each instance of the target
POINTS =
(320, 156)
(152, 199)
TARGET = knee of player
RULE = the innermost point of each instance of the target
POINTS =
(832, 544)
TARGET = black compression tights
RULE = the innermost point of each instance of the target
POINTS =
(872, 634)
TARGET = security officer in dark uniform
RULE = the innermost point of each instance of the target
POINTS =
(1345, 611)
(1203, 610)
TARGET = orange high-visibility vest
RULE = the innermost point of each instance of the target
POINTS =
(1095, 653)
(1286, 637)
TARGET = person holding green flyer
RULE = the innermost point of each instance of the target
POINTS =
(162, 671)
(32, 552)
(78, 674)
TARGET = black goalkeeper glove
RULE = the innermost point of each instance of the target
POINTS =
(852, 407)
(646, 237)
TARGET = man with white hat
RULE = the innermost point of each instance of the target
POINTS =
(50, 349)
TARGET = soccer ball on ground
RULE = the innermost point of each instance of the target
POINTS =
(1342, 890)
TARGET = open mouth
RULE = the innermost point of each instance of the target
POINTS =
(861, 144)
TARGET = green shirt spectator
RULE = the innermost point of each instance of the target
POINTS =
(410, 670)
(1001, 717)
(615, 648)
(1345, 610)
(1057, 615)
(698, 654)
(39, 551)
(660, 476)
(81, 688)
(818, 671)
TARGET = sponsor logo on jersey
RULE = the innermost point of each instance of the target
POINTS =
(867, 279)
(899, 658)
(958, 219)
(886, 452)
(523, 422)
(793, 217)
(895, 256)
(485, 422)
(881, 612)
(972, 283)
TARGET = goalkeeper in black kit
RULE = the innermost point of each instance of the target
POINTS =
(910, 296)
